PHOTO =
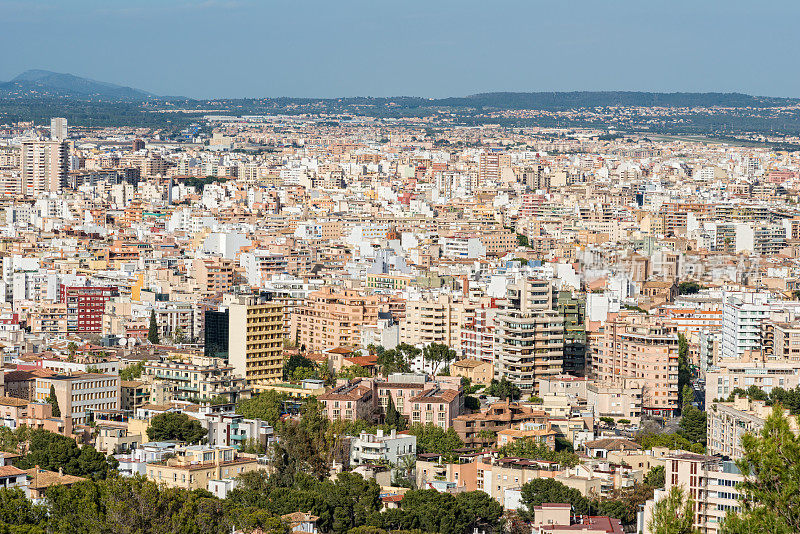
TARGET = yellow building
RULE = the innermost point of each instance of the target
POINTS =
(255, 337)
(307, 388)
(193, 467)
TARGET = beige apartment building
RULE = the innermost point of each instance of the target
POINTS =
(332, 317)
(214, 275)
(745, 372)
(192, 377)
(44, 166)
(80, 395)
(194, 467)
(432, 319)
(634, 348)
(729, 421)
(528, 347)
(49, 318)
(619, 400)
(255, 338)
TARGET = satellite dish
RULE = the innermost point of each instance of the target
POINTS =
(123, 341)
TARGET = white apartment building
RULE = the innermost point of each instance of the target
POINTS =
(376, 448)
(462, 247)
(741, 323)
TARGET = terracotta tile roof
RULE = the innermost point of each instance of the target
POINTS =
(40, 478)
(613, 444)
(436, 395)
(10, 471)
(13, 401)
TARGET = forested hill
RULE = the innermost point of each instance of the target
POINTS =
(592, 99)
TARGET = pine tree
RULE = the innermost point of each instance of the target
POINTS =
(53, 401)
(393, 417)
(152, 333)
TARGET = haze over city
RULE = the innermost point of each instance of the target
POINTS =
(243, 48)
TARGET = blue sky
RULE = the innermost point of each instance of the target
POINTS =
(433, 48)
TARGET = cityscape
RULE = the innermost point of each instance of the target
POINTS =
(494, 312)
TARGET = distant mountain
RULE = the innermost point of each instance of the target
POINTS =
(43, 83)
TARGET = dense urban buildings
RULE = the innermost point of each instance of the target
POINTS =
(462, 309)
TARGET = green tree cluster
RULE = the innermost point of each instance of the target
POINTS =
(529, 448)
(770, 493)
(132, 371)
(52, 400)
(432, 511)
(152, 331)
(688, 288)
(435, 439)
(436, 355)
(129, 505)
(353, 371)
(52, 452)
(504, 389)
(674, 441)
(397, 360)
(673, 514)
(267, 406)
(175, 426)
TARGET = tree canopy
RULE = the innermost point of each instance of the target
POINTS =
(504, 389)
(434, 439)
(152, 331)
(175, 426)
(52, 452)
(267, 406)
(673, 514)
(541, 490)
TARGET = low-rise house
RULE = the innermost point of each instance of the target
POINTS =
(436, 406)
(477, 371)
(195, 466)
(135, 394)
(302, 522)
(351, 401)
(39, 480)
(541, 433)
(480, 429)
(16, 412)
(115, 439)
(600, 448)
(558, 517)
(234, 430)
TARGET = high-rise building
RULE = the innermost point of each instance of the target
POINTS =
(331, 318)
(432, 320)
(58, 129)
(44, 166)
(574, 311)
(255, 337)
(635, 347)
(528, 346)
(85, 306)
